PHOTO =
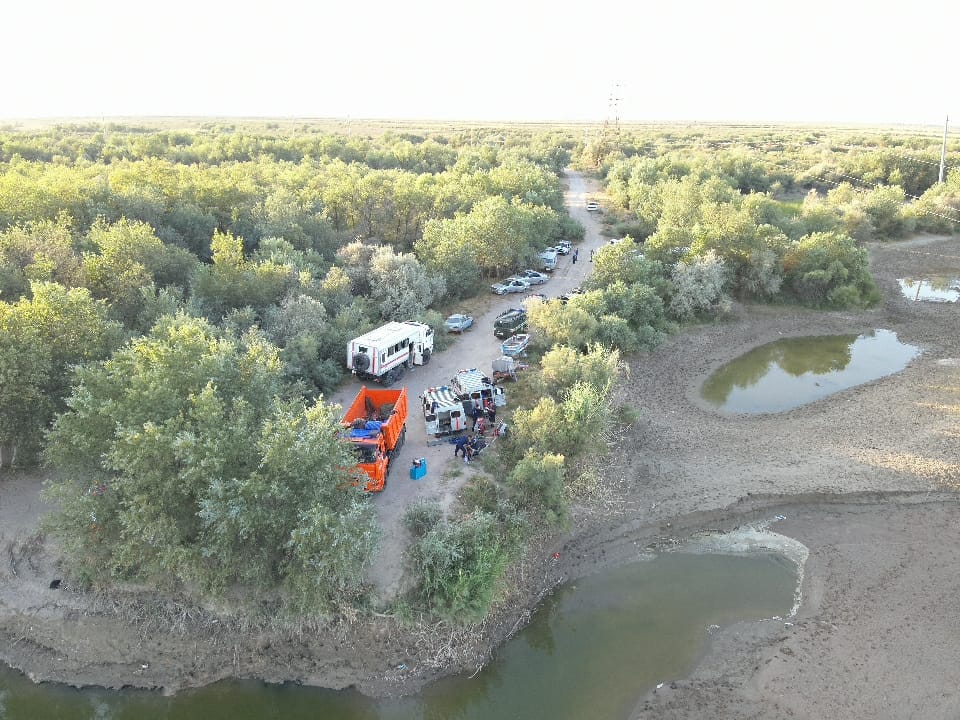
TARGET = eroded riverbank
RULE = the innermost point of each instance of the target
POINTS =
(681, 470)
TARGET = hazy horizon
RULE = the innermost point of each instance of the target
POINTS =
(740, 61)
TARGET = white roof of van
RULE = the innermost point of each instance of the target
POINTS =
(471, 380)
(385, 333)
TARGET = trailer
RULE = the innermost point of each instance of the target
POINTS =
(376, 426)
(506, 368)
(383, 354)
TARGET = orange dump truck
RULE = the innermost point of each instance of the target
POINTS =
(376, 425)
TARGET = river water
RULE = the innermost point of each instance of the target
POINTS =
(591, 651)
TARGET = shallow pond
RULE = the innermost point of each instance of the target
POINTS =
(795, 371)
(592, 650)
(934, 289)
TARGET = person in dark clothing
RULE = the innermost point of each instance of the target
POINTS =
(491, 411)
(460, 445)
(575, 256)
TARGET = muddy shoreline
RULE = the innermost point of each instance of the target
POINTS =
(881, 452)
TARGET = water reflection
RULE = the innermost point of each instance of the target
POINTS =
(933, 289)
(795, 371)
(590, 652)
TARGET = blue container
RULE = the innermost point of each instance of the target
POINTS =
(419, 469)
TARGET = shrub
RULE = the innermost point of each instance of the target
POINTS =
(421, 517)
(828, 269)
(563, 367)
(700, 287)
(458, 565)
(538, 481)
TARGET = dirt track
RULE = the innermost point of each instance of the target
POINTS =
(867, 479)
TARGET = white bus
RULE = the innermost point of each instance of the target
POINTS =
(383, 354)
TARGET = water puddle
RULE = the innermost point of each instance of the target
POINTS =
(795, 371)
(933, 289)
(592, 650)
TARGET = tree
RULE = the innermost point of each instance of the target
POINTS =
(41, 338)
(402, 286)
(458, 565)
(127, 256)
(233, 282)
(829, 270)
(620, 262)
(700, 287)
(562, 367)
(560, 324)
(38, 251)
(24, 373)
(569, 427)
(182, 464)
(538, 481)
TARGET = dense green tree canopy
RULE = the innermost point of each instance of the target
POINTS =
(183, 463)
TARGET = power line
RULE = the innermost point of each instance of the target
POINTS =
(904, 204)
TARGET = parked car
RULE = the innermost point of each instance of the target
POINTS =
(593, 206)
(510, 285)
(458, 322)
(535, 297)
(548, 259)
(564, 247)
(510, 322)
(533, 277)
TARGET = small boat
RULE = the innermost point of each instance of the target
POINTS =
(515, 345)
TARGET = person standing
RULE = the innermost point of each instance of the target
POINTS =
(575, 256)
(491, 412)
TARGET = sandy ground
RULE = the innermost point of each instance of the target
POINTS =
(866, 479)
(476, 348)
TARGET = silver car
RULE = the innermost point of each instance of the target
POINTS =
(510, 285)
(533, 277)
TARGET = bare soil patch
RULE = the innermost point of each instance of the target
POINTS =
(866, 478)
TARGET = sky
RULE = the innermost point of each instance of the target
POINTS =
(839, 61)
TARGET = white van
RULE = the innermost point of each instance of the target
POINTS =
(548, 259)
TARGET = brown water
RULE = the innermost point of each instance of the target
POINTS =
(592, 650)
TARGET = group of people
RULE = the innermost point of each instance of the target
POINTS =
(467, 445)
(482, 413)
(470, 445)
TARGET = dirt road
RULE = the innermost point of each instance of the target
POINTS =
(475, 348)
(866, 478)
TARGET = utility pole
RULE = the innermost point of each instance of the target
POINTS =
(943, 151)
(610, 134)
